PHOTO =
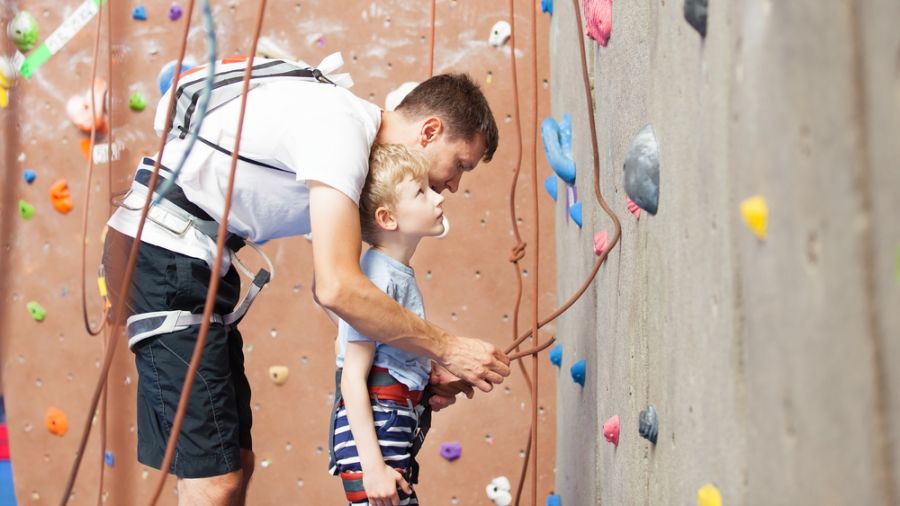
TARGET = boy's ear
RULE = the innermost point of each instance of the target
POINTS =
(431, 129)
(384, 218)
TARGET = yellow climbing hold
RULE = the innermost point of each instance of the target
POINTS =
(709, 495)
(756, 214)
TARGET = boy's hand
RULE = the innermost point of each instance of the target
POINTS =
(445, 387)
(381, 485)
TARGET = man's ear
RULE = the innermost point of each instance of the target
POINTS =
(432, 128)
(384, 218)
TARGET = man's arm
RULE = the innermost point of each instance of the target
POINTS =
(342, 288)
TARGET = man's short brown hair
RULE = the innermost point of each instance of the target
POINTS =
(459, 103)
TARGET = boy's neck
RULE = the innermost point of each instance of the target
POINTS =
(397, 246)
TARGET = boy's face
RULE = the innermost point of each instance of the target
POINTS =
(450, 159)
(419, 210)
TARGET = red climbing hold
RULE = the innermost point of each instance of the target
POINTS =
(611, 430)
(600, 239)
(632, 207)
(598, 14)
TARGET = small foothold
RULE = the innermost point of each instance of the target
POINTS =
(756, 215)
(26, 210)
(393, 98)
(557, 139)
(579, 372)
(554, 500)
(611, 430)
(708, 495)
(600, 240)
(451, 451)
(60, 196)
(632, 207)
(551, 184)
(56, 421)
(139, 13)
(265, 463)
(500, 33)
(175, 12)
(642, 170)
(556, 355)
(598, 14)
(137, 102)
(547, 6)
(23, 31)
(167, 74)
(29, 176)
(37, 311)
(695, 14)
(499, 491)
(278, 374)
(648, 424)
(109, 459)
(575, 213)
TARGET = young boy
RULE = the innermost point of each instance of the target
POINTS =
(378, 403)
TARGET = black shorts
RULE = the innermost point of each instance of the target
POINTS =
(218, 418)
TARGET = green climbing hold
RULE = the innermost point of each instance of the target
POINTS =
(137, 102)
(37, 311)
(26, 210)
(23, 30)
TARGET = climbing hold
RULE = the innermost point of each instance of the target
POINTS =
(557, 139)
(756, 215)
(554, 500)
(547, 6)
(139, 13)
(109, 459)
(175, 12)
(579, 372)
(23, 30)
(56, 421)
(632, 207)
(600, 240)
(79, 108)
(29, 176)
(37, 311)
(167, 74)
(648, 424)
(642, 170)
(60, 196)
(500, 33)
(598, 14)
(611, 430)
(265, 463)
(451, 451)
(695, 14)
(556, 355)
(708, 495)
(8, 75)
(26, 210)
(137, 102)
(278, 374)
(575, 213)
(550, 184)
(499, 491)
(393, 99)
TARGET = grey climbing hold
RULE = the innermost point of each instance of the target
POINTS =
(648, 424)
(695, 14)
(642, 170)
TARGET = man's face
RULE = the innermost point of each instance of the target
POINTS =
(450, 159)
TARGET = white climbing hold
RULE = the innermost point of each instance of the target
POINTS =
(499, 492)
(500, 33)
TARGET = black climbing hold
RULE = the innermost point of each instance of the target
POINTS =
(648, 424)
(642, 170)
(695, 14)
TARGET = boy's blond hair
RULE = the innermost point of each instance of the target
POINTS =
(389, 165)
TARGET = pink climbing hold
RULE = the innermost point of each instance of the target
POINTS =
(632, 207)
(600, 239)
(598, 14)
(611, 430)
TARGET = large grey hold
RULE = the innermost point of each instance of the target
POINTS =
(648, 424)
(642, 171)
(695, 14)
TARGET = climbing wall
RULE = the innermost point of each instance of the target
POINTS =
(466, 278)
(768, 351)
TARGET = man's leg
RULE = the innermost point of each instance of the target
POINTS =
(224, 490)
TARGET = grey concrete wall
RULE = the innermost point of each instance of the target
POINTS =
(771, 363)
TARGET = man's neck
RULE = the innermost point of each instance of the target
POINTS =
(394, 129)
(397, 246)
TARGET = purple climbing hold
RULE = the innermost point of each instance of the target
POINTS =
(175, 12)
(557, 139)
(139, 13)
(575, 212)
(451, 451)
(579, 372)
(551, 184)
(29, 176)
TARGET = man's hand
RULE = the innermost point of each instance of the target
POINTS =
(445, 387)
(476, 362)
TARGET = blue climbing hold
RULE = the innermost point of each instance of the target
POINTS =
(642, 170)
(554, 500)
(557, 139)
(547, 6)
(109, 458)
(550, 184)
(579, 372)
(139, 13)
(556, 355)
(29, 176)
(575, 213)
(167, 74)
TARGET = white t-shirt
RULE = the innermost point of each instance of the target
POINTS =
(312, 131)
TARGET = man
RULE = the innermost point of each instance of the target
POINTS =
(303, 161)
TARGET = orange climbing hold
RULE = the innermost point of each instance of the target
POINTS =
(56, 421)
(79, 108)
(60, 196)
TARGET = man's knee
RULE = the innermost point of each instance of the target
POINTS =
(222, 490)
(248, 462)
